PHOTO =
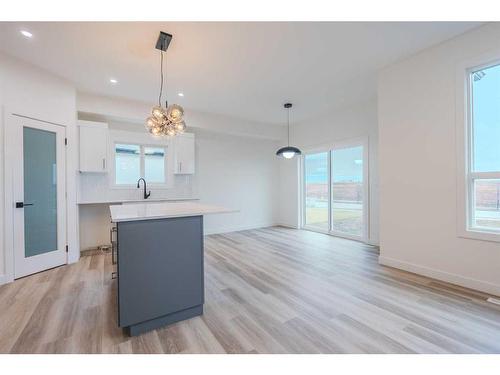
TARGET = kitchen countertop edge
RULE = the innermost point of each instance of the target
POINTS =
(117, 201)
(170, 212)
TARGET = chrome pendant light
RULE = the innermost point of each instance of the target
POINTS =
(288, 152)
(166, 121)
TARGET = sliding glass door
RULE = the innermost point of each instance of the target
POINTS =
(316, 191)
(335, 191)
(347, 191)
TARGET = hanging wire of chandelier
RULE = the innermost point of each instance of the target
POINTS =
(165, 121)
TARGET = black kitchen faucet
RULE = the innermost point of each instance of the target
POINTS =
(146, 195)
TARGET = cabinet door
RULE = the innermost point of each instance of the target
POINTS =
(93, 148)
(184, 154)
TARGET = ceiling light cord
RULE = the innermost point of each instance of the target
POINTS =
(166, 80)
(288, 122)
(161, 78)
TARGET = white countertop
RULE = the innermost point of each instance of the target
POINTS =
(117, 201)
(163, 210)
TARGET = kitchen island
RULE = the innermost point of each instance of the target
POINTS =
(159, 256)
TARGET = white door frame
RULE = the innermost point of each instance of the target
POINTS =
(11, 118)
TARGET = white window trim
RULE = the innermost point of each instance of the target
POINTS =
(142, 140)
(142, 167)
(352, 142)
(465, 178)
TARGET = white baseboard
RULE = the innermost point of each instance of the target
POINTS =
(236, 228)
(468, 282)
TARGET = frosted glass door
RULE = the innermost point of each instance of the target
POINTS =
(40, 191)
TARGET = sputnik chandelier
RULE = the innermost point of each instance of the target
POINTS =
(165, 121)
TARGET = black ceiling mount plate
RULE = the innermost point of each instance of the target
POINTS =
(287, 105)
(163, 41)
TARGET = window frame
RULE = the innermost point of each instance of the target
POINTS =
(141, 140)
(142, 164)
(466, 176)
(328, 148)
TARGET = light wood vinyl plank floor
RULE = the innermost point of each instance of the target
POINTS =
(272, 290)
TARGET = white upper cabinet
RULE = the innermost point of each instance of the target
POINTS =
(93, 146)
(184, 154)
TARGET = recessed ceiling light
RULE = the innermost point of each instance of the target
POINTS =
(26, 33)
(113, 81)
(180, 94)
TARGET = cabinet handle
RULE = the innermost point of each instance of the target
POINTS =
(111, 231)
(180, 166)
(113, 256)
(114, 244)
(103, 163)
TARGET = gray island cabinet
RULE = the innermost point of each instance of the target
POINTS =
(159, 251)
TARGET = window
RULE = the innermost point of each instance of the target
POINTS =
(154, 164)
(483, 172)
(334, 192)
(135, 161)
(127, 164)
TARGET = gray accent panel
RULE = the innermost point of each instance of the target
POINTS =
(160, 268)
(137, 329)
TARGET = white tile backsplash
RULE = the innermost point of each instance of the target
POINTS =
(95, 187)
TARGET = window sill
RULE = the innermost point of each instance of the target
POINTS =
(477, 234)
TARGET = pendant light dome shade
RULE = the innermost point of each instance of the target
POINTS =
(288, 152)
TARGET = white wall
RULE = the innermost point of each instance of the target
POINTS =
(351, 122)
(240, 173)
(418, 167)
(27, 90)
(94, 225)
(289, 190)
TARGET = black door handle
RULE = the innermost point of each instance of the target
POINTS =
(22, 204)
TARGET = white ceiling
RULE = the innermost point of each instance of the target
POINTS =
(246, 70)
